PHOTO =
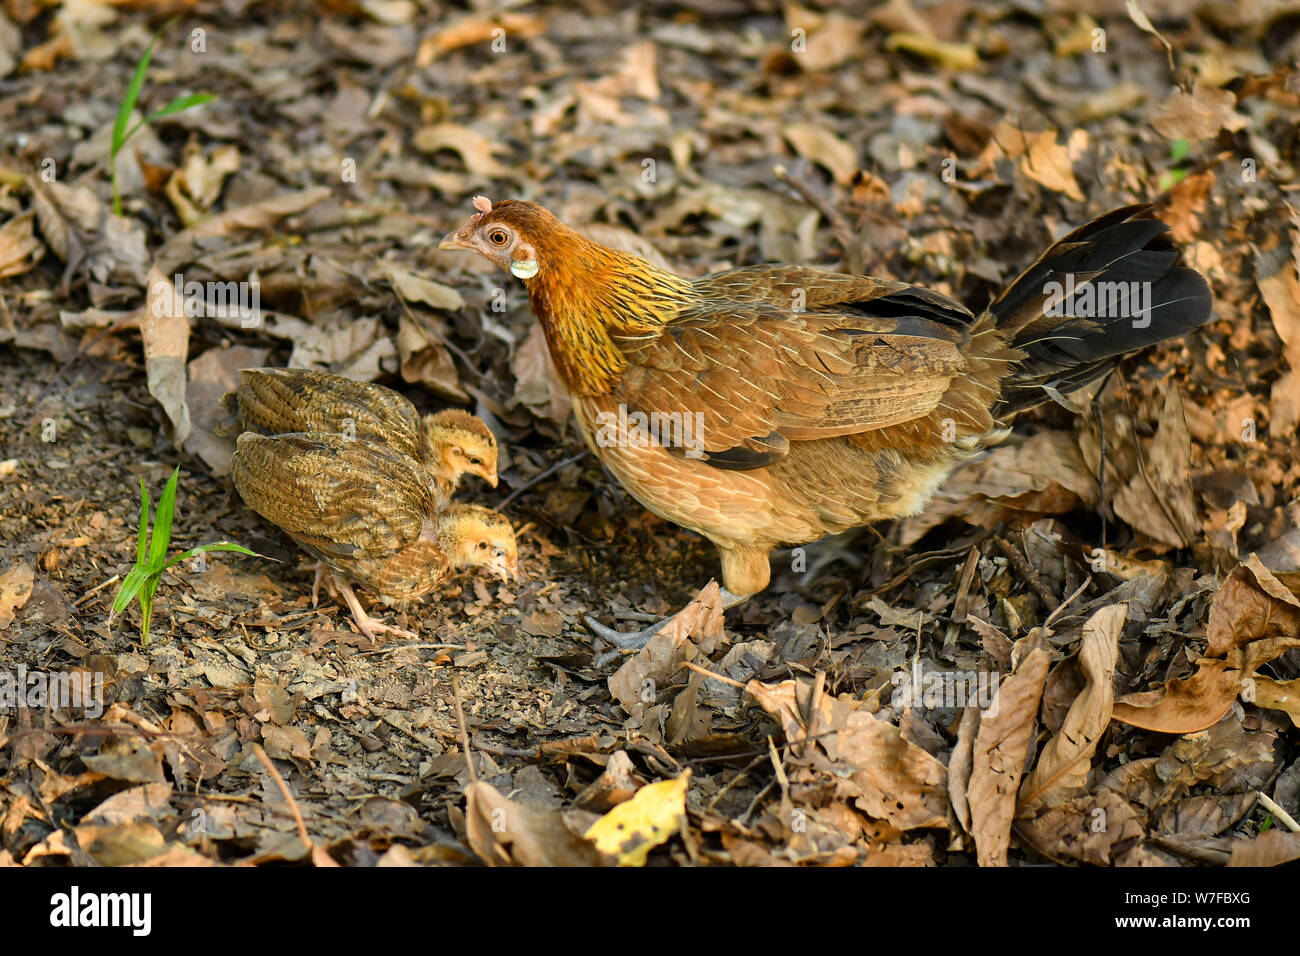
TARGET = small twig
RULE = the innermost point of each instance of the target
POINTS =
(409, 647)
(734, 781)
(97, 588)
(415, 735)
(713, 675)
(464, 731)
(843, 234)
(1067, 602)
(284, 791)
(1283, 817)
(543, 475)
(1022, 566)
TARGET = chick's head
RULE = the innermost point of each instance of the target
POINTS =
(454, 443)
(474, 536)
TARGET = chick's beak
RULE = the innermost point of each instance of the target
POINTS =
(506, 567)
(489, 476)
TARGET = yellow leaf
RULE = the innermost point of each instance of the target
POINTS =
(634, 828)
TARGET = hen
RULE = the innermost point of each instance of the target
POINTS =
(368, 514)
(773, 405)
(449, 444)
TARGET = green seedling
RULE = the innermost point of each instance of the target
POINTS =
(121, 134)
(151, 555)
(1178, 151)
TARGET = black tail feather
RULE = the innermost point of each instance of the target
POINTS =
(1109, 288)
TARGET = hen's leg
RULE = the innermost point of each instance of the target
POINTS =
(631, 640)
(366, 624)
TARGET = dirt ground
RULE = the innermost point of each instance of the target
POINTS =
(1128, 569)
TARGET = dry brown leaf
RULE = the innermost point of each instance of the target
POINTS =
(636, 684)
(1158, 499)
(889, 778)
(475, 149)
(1278, 695)
(1275, 273)
(537, 385)
(212, 375)
(1041, 158)
(505, 833)
(15, 588)
(20, 250)
(961, 57)
(1088, 829)
(415, 288)
(1188, 705)
(998, 757)
(426, 360)
(819, 145)
(1271, 848)
(1197, 115)
(1252, 603)
(165, 331)
(1065, 760)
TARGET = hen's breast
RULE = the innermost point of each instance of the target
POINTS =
(820, 487)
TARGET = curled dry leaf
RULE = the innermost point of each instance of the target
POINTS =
(655, 664)
(1158, 499)
(165, 331)
(888, 777)
(1091, 828)
(998, 757)
(15, 588)
(20, 250)
(1065, 761)
(505, 833)
(1187, 705)
(1251, 604)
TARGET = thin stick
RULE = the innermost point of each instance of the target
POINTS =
(1021, 564)
(409, 647)
(712, 675)
(542, 476)
(97, 588)
(284, 791)
(464, 731)
(1285, 818)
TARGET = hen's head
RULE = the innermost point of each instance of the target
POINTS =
(455, 443)
(513, 233)
(474, 536)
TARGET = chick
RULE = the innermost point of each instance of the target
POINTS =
(449, 444)
(368, 515)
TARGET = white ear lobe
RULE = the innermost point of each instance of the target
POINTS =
(523, 268)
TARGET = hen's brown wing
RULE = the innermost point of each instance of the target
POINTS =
(340, 499)
(774, 355)
(276, 401)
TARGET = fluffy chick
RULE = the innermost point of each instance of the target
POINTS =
(449, 444)
(368, 515)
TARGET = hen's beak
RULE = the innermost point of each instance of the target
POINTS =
(453, 240)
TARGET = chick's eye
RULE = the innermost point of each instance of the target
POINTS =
(476, 461)
(498, 237)
(482, 545)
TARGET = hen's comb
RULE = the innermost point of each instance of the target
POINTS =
(483, 204)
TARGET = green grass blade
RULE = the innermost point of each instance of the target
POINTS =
(143, 543)
(133, 94)
(162, 524)
(218, 546)
(128, 589)
(180, 104)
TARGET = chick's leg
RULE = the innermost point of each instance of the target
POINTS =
(366, 624)
(322, 577)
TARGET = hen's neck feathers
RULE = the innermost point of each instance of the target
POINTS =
(596, 305)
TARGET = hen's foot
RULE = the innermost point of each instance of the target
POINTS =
(635, 640)
(366, 624)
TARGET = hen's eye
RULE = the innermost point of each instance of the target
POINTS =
(498, 237)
